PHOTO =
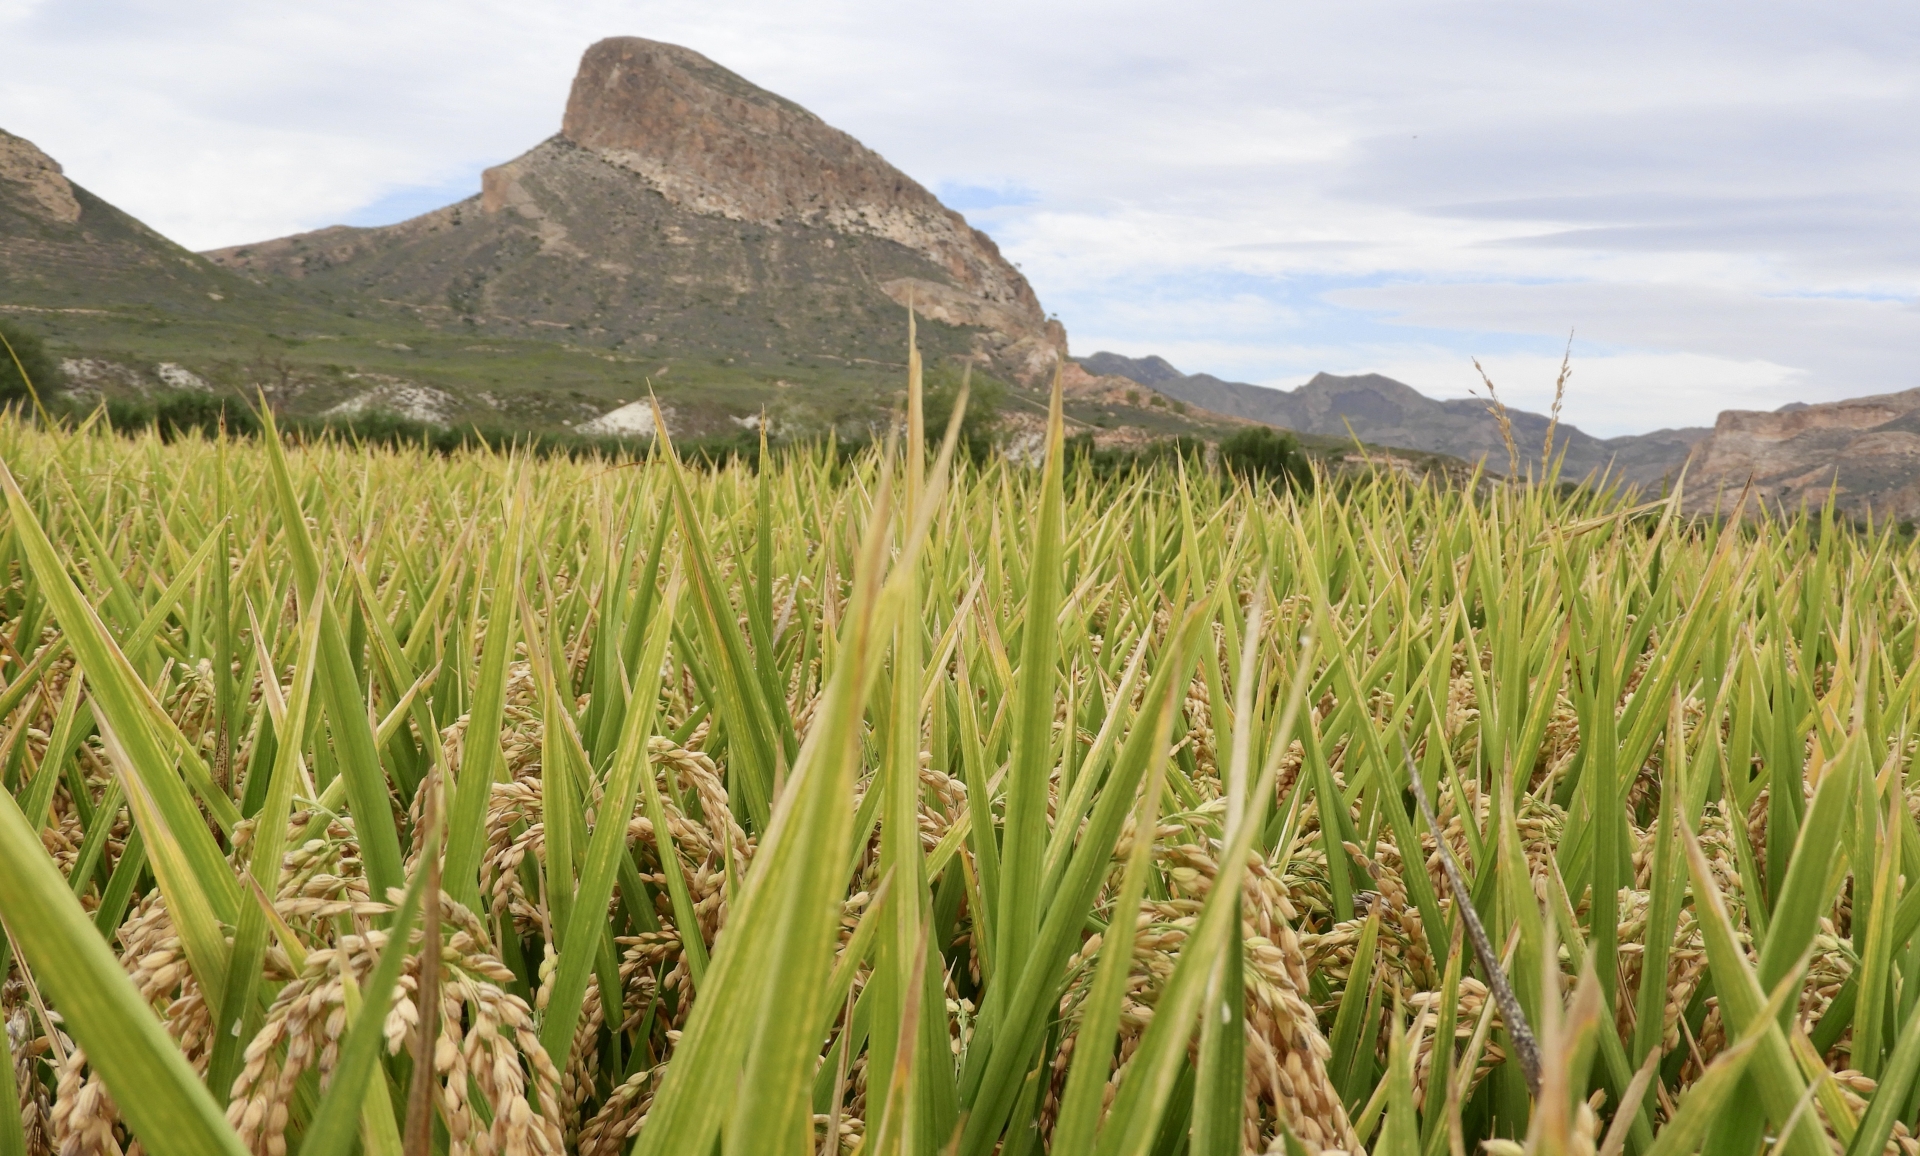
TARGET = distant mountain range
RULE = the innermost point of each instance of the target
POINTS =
(1866, 450)
(1386, 412)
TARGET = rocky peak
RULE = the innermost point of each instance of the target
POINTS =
(714, 143)
(1369, 396)
(32, 180)
(687, 213)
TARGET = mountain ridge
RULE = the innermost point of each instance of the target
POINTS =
(1380, 409)
(740, 317)
(72, 252)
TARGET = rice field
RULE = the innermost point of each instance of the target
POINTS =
(371, 800)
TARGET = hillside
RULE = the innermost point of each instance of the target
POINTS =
(1866, 450)
(77, 267)
(67, 249)
(684, 212)
(132, 312)
(1381, 410)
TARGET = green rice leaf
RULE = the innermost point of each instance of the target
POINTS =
(160, 1096)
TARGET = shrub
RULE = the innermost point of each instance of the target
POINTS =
(1090, 462)
(981, 425)
(42, 371)
(174, 414)
(1263, 454)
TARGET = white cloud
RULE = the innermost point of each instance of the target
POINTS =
(1611, 394)
(1845, 347)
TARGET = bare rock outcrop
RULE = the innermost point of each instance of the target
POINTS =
(1866, 450)
(1770, 444)
(33, 181)
(716, 144)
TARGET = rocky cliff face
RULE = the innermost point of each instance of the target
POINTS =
(1387, 412)
(1865, 449)
(683, 209)
(713, 143)
(31, 182)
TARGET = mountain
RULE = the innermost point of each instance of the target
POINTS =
(682, 210)
(1866, 449)
(64, 252)
(691, 234)
(1381, 410)
(686, 233)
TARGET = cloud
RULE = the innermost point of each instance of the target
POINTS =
(1718, 197)
(1859, 345)
(1610, 394)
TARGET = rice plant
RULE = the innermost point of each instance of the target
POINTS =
(362, 799)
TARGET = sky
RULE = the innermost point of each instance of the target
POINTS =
(1710, 205)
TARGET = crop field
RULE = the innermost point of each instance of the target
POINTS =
(366, 799)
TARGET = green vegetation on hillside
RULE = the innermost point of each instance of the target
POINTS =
(24, 363)
(900, 805)
(1262, 453)
(173, 415)
(982, 421)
